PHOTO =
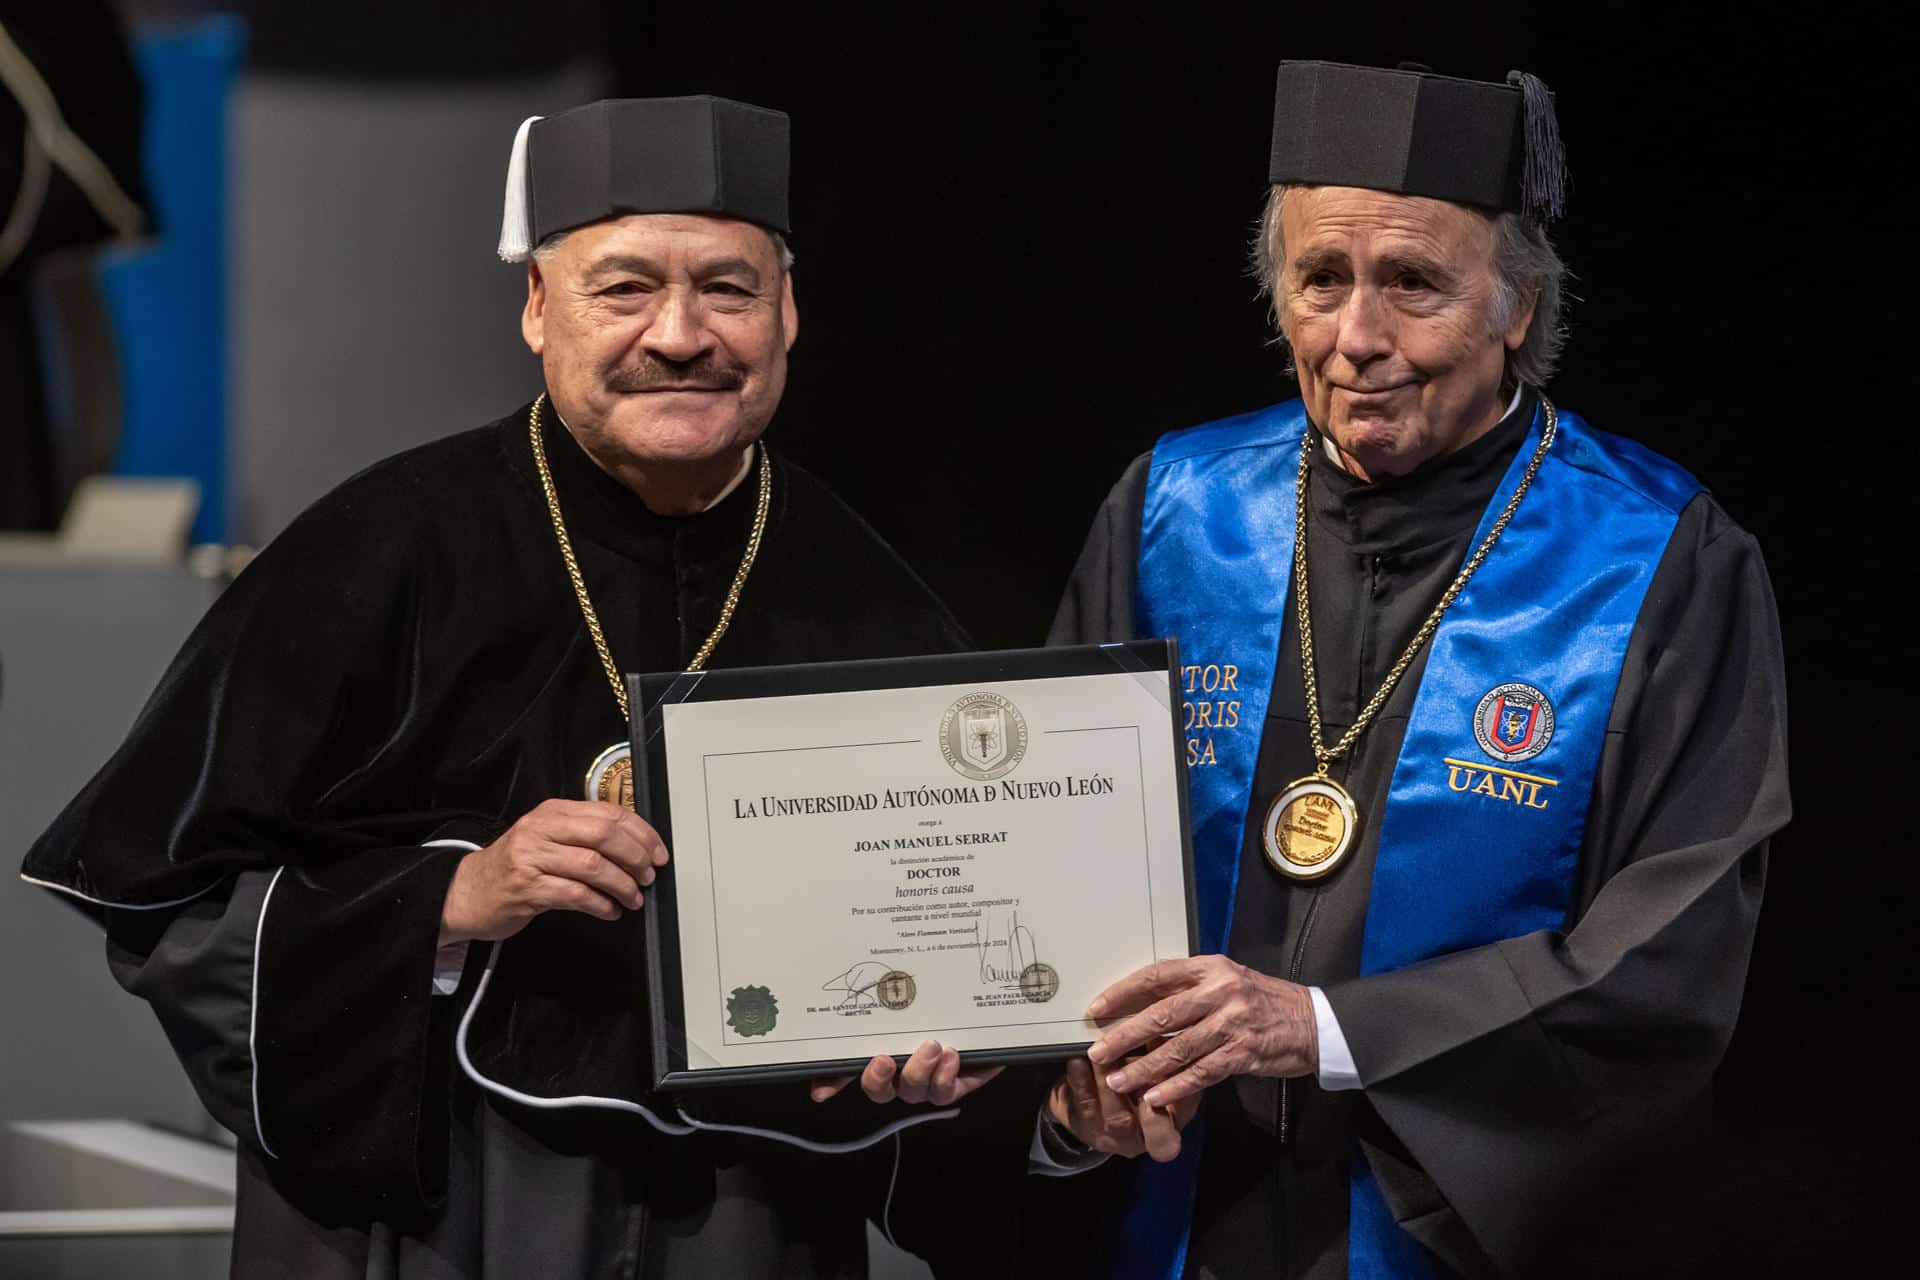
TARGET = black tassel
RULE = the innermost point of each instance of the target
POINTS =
(1543, 183)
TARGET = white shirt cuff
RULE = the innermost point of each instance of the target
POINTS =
(1336, 1060)
(448, 964)
(451, 960)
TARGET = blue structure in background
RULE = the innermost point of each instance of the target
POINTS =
(168, 298)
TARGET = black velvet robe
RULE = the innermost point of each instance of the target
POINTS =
(1524, 1103)
(407, 664)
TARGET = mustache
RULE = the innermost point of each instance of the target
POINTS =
(653, 374)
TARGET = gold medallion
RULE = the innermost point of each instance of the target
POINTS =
(610, 777)
(1309, 828)
(1312, 822)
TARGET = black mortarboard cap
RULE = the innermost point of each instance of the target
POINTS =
(1416, 133)
(645, 155)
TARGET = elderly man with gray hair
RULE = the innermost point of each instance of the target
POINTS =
(1485, 730)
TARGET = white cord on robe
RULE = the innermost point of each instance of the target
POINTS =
(253, 1018)
(516, 218)
(72, 892)
(688, 1125)
(886, 1210)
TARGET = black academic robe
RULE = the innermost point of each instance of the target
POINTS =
(407, 664)
(1523, 1102)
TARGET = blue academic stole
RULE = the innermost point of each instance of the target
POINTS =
(1487, 806)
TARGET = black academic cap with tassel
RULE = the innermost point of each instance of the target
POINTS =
(1407, 130)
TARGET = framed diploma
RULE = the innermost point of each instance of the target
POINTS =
(867, 855)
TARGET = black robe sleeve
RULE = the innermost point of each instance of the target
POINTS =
(295, 979)
(1097, 607)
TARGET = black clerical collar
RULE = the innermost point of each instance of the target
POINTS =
(1432, 503)
(599, 508)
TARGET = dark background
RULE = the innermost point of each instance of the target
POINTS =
(1022, 232)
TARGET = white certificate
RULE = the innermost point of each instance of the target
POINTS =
(908, 852)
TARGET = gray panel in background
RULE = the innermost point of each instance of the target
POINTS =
(81, 650)
(155, 1257)
(369, 311)
(108, 1200)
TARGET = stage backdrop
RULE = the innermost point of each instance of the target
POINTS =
(1022, 235)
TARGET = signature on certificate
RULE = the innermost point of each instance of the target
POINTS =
(858, 982)
(1007, 949)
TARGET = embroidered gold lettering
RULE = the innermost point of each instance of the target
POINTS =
(1522, 789)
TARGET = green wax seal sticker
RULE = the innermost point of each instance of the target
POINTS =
(752, 1011)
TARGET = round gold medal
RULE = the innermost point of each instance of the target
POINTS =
(1310, 828)
(1311, 825)
(610, 778)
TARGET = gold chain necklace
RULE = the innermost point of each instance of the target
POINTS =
(1311, 824)
(610, 777)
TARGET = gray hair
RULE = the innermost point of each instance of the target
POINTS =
(782, 252)
(1525, 267)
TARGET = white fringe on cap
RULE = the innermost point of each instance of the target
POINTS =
(516, 231)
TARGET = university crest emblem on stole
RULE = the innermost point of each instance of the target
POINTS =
(1513, 722)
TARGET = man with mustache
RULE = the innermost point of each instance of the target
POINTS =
(394, 756)
(1486, 738)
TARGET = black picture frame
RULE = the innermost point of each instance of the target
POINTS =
(669, 1069)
